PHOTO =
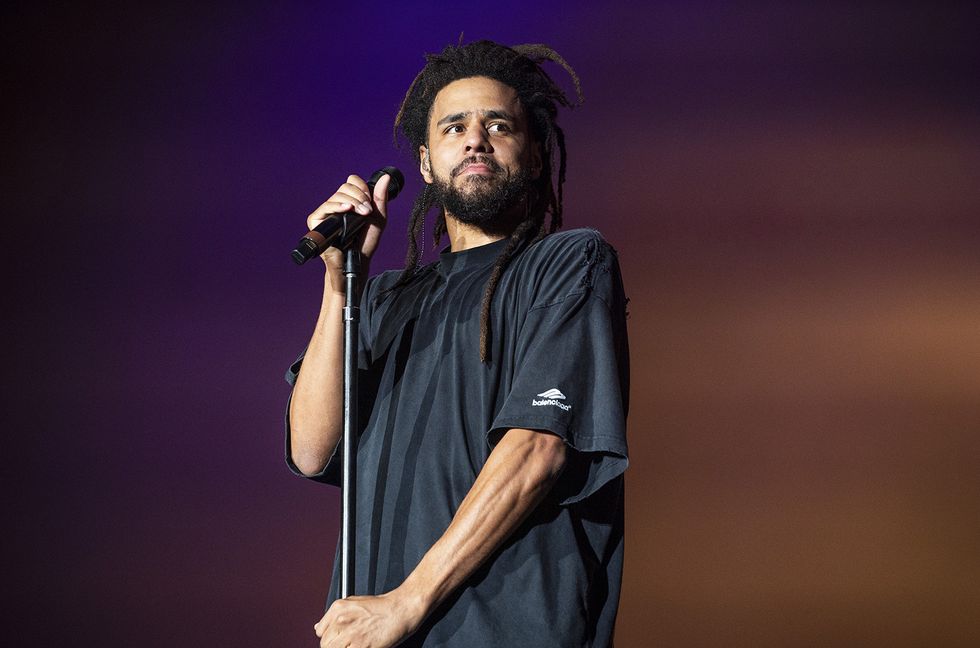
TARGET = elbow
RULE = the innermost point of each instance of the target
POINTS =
(307, 460)
(559, 457)
(308, 464)
(309, 447)
(551, 455)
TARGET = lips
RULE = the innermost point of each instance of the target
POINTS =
(477, 166)
(481, 169)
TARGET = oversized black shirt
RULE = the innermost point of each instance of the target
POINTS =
(432, 412)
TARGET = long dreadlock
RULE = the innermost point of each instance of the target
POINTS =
(520, 68)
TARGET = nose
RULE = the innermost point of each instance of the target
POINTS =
(477, 141)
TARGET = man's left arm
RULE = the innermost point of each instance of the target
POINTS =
(519, 472)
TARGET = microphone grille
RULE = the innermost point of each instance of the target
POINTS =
(394, 185)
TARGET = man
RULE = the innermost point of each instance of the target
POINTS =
(494, 383)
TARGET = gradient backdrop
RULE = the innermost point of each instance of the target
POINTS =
(794, 191)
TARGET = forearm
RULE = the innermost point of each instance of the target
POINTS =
(316, 407)
(520, 471)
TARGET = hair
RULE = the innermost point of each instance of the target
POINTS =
(518, 67)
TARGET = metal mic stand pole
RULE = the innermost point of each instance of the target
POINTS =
(352, 316)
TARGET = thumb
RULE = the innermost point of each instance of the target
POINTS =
(381, 194)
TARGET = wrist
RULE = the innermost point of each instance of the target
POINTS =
(417, 600)
(334, 285)
(335, 279)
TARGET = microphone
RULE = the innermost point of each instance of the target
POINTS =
(338, 229)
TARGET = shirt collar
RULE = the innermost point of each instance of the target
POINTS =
(476, 257)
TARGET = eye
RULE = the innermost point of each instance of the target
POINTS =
(498, 127)
(454, 128)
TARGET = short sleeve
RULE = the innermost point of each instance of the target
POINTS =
(331, 472)
(571, 373)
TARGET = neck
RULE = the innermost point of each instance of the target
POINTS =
(463, 236)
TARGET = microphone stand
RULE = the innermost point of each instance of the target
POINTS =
(352, 316)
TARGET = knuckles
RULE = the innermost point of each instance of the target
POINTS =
(354, 191)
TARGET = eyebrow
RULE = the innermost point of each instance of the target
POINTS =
(488, 114)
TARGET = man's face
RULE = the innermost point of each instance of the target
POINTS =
(480, 156)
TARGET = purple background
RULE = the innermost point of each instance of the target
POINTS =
(794, 191)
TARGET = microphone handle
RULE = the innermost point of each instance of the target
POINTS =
(326, 234)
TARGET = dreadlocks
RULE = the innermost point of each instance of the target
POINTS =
(520, 68)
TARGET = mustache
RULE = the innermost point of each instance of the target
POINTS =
(475, 159)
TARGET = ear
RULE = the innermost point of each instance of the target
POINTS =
(425, 167)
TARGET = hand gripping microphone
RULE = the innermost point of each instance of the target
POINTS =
(338, 230)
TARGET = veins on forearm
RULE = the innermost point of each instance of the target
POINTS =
(521, 470)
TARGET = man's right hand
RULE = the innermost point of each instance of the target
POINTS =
(354, 195)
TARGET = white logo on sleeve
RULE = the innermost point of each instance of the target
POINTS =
(551, 397)
(552, 393)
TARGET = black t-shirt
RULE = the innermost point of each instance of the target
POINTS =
(432, 412)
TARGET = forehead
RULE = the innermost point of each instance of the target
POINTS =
(474, 94)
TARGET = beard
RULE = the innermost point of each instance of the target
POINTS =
(484, 200)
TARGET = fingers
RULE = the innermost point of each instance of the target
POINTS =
(320, 626)
(360, 194)
(353, 195)
(327, 636)
(381, 194)
(356, 188)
